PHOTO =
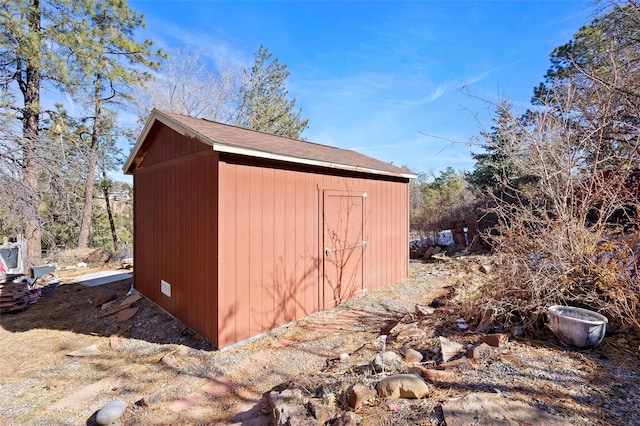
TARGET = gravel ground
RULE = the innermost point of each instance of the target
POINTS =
(155, 354)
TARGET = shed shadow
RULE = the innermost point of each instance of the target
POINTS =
(71, 307)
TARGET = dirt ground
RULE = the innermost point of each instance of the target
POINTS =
(169, 375)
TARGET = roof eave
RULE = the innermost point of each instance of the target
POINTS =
(232, 149)
(167, 121)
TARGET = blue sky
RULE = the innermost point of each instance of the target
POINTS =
(388, 79)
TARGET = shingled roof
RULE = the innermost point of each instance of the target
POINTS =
(236, 140)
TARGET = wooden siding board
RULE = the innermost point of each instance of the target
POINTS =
(227, 249)
(243, 305)
(280, 225)
(197, 227)
(267, 255)
(215, 252)
(289, 254)
(254, 249)
(298, 267)
(310, 254)
(374, 247)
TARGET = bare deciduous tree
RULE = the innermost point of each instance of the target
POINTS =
(187, 86)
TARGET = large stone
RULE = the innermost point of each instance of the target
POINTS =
(409, 331)
(88, 351)
(358, 395)
(392, 361)
(319, 411)
(432, 374)
(412, 356)
(105, 296)
(480, 353)
(423, 310)
(450, 349)
(496, 340)
(288, 409)
(347, 418)
(111, 412)
(495, 409)
(151, 399)
(402, 386)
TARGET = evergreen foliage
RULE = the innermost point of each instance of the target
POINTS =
(266, 106)
(495, 169)
(88, 51)
(594, 79)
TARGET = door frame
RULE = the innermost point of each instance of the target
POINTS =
(324, 303)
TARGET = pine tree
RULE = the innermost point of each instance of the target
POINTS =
(109, 61)
(495, 169)
(32, 33)
(265, 103)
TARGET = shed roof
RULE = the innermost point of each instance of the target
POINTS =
(236, 140)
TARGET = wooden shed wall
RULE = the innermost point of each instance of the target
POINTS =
(270, 248)
(175, 228)
(240, 240)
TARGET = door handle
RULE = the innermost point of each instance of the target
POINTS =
(328, 252)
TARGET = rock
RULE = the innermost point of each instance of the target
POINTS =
(402, 386)
(151, 399)
(409, 331)
(495, 409)
(392, 361)
(449, 348)
(423, 310)
(88, 351)
(480, 353)
(517, 331)
(412, 356)
(126, 314)
(111, 412)
(114, 342)
(431, 374)
(460, 363)
(105, 296)
(182, 350)
(496, 340)
(319, 411)
(287, 408)
(347, 418)
(357, 395)
(344, 356)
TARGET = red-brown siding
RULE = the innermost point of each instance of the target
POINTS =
(270, 249)
(175, 229)
(240, 240)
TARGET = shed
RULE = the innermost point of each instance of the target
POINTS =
(237, 231)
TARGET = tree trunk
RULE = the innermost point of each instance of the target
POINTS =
(85, 224)
(106, 187)
(30, 124)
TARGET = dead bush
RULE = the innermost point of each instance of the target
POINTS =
(568, 234)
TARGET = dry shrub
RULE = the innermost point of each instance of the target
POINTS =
(565, 265)
(568, 228)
